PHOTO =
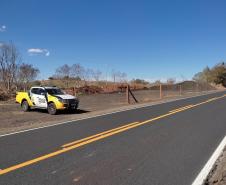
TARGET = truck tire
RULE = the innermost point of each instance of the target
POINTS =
(74, 110)
(25, 106)
(52, 109)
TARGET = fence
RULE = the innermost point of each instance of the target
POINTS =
(150, 94)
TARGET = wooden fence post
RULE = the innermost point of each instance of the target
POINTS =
(134, 98)
(160, 91)
(74, 93)
(180, 90)
(127, 94)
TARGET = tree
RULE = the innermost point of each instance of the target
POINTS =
(216, 75)
(219, 74)
(139, 81)
(63, 71)
(118, 76)
(9, 60)
(77, 72)
(171, 81)
(114, 74)
(157, 82)
(87, 75)
(198, 77)
(123, 77)
(26, 74)
(51, 78)
(204, 77)
(96, 75)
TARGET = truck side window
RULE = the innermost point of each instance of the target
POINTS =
(34, 90)
(41, 91)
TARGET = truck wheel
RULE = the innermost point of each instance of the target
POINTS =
(74, 110)
(52, 109)
(25, 106)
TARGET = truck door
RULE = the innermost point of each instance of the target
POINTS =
(38, 97)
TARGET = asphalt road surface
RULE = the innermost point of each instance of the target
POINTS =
(165, 144)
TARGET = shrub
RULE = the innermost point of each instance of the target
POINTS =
(4, 96)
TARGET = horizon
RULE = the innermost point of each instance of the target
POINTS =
(149, 40)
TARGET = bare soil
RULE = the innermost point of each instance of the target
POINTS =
(218, 174)
(12, 118)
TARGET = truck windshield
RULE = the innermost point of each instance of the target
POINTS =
(55, 91)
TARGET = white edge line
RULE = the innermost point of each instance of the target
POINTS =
(199, 180)
(99, 115)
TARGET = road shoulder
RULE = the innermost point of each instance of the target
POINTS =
(217, 175)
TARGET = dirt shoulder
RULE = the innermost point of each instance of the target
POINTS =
(13, 119)
(217, 176)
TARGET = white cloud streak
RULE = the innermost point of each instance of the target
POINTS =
(2, 28)
(38, 51)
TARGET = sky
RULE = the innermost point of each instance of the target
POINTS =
(148, 39)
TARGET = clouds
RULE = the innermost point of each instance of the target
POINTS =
(38, 51)
(2, 28)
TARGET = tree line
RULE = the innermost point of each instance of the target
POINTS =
(215, 75)
(81, 75)
(15, 74)
(76, 72)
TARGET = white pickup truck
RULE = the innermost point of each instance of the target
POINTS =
(50, 98)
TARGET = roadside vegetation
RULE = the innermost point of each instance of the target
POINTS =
(215, 75)
(13, 73)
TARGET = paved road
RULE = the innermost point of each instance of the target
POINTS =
(166, 144)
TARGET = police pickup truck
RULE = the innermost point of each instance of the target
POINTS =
(51, 98)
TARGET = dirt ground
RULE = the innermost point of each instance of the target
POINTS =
(218, 174)
(14, 119)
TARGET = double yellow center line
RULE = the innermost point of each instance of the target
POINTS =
(182, 108)
(81, 142)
